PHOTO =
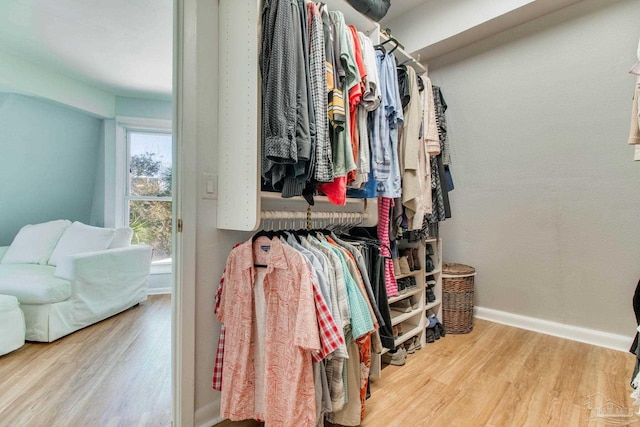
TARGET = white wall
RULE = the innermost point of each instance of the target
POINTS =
(198, 99)
(547, 198)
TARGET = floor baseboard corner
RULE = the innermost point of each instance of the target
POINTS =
(574, 333)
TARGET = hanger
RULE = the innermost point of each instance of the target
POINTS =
(261, 233)
(389, 40)
(381, 49)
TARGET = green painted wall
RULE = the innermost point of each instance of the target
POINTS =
(147, 108)
(48, 161)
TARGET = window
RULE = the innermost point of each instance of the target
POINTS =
(148, 194)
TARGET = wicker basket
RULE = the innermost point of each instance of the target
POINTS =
(457, 297)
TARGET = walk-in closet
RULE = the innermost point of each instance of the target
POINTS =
(315, 282)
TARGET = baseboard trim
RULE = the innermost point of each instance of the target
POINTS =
(158, 291)
(209, 415)
(575, 333)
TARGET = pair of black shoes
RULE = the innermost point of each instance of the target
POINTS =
(435, 329)
(428, 262)
(430, 295)
(406, 284)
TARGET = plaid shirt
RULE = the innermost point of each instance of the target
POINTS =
(330, 336)
(318, 77)
(217, 366)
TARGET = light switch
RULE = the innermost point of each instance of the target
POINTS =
(209, 185)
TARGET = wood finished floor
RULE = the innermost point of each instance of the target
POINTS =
(501, 376)
(114, 373)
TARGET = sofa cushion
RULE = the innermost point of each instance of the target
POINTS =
(79, 238)
(33, 284)
(34, 243)
(8, 303)
(121, 238)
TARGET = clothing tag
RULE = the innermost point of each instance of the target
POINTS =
(265, 248)
(636, 154)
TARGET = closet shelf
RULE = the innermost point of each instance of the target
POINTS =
(412, 292)
(412, 274)
(433, 272)
(271, 195)
(434, 304)
(397, 317)
(408, 334)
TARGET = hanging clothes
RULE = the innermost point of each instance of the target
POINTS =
(323, 169)
(410, 153)
(385, 206)
(266, 355)
(255, 298)
(277, 59)
(386, 121)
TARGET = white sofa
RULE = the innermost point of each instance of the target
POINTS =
(68, 276)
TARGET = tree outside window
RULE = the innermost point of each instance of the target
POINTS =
(149, 198)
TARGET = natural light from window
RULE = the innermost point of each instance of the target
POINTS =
(149, 191)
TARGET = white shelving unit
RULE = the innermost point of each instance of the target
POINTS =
(241, 204)
(240, 201)
(436, 306)
(414, 322)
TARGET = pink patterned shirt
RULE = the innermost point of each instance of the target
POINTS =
(270, 332)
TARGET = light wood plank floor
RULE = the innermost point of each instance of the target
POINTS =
(114, 373)
(502, 377)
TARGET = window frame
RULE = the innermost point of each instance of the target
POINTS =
(125, 125)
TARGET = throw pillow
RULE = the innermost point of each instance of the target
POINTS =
(34, 243)
(80, 238)
(122, 238)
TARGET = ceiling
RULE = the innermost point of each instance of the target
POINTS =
(121, 46)
(399, 8)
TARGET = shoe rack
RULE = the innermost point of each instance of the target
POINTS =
(435, 307)
(413, 322)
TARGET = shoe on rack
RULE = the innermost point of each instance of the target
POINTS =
(433, 325)
(412, 284)
(416, 259)
(431, 296)
(440, 327)
(403, 306)
(395, 331)
(404, 265)
(429, 266)
(409, 346)
(413, 302)
(408, 253)
(396, 266)
(397, 358)
(399, 326)
(436, 332)
(402, 286)
(417, 342)
(431, 337)
(429, 249)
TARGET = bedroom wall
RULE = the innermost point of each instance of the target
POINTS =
(546, 204)
(48, 159)
(140, 107)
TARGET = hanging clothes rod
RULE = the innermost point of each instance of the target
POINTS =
(354, 216)
(310, 219)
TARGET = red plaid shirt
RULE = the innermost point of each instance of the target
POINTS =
(217, 366)
(330, 336)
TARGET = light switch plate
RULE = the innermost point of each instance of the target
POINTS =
(209, 186)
